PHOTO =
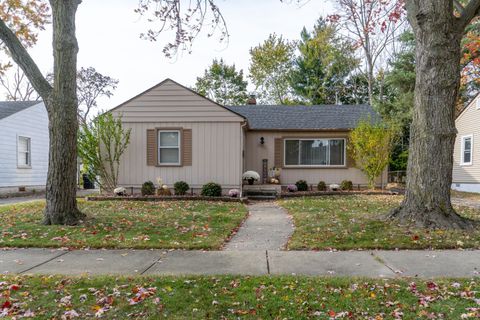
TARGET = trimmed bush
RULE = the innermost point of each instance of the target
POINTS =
(181, 188)
(322, 186)
(148, 188)
(346, 185)
(211, 189)
(302, 185)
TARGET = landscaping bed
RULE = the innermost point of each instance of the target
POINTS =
(139, 197)
(125, 224)
(229, 297)
(357, 222)
(298, 194)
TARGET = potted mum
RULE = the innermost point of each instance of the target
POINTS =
(251, 177)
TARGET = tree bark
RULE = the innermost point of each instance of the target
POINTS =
(430, 163)
(62, 104)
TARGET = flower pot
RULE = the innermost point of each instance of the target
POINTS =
(250, 181)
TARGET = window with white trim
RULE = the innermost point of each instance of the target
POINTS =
(467, 150)
(315, 152)
(169, 147)
(24, 155)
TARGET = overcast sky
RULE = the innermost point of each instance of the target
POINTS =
(108, 35)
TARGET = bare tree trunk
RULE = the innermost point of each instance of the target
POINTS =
(62, 104)
(433, 132)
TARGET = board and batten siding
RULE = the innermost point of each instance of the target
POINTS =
(467, 177)
(216, 138)
(32, 123)
(216, 155)
(256, 152)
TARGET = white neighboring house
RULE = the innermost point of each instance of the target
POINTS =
(24, 146)
(466, 156)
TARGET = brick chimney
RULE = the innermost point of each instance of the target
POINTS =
(252, 100)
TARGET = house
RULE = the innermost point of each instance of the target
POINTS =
(177, 134)
(23, 146)
(466, 156)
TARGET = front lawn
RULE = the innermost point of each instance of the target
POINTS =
(228, 297)
(355, 222)
(125, 224)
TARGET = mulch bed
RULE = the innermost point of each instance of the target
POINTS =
(300, 194)
(164, 198)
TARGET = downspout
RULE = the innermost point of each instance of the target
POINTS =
(242, 154)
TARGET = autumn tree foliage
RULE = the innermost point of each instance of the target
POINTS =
(373, 26)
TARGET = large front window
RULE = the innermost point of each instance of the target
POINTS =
(169, 147)
(315, 152)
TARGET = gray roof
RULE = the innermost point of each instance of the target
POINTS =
(317, 117)
(7, 108)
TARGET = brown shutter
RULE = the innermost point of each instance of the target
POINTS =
(152, 147)
(350, 160)
(187, 147)
(278, 152)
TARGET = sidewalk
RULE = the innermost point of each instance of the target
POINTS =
(375, 264)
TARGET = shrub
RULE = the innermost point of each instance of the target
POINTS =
(292, 188)
(346, 185)
(148, 188)
(211, 189)
(181, 188)
(302, 185)
(322, 186)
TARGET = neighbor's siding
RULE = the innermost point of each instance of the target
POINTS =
(255, 152)
(170, 102)
(467, 123)
(32, 123)
(216, 155)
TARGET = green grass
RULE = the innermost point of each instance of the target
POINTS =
(125, 224)
(228, 297)
(465, 195)
(356, 222)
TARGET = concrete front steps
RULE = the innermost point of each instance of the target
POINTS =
(261, 191)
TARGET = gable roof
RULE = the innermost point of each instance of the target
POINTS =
(180, 85)
(7, 108)
(316, 117)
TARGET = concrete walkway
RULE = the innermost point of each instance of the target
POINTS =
(41, 196)
(268, 227)
(376, 264)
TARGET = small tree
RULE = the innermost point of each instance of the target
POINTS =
(101, 143)
(370, 145)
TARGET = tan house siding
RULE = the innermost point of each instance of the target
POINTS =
(170, 102)
(468, 123)
(216, 155)
(211, 138)
(255, 152)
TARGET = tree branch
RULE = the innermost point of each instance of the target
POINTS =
(470, 11)
(24, 60)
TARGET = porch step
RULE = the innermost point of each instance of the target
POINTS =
(261, 194)
(259, 197)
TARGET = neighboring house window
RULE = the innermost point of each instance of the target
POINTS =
(169, 147)
(24, 156)
(467, 150)
(478, 103)
(315, 152)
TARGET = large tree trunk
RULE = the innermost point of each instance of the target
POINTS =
(62, 108)
(433, 132)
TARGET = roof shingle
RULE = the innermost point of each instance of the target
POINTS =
(317, 117)
(7, 108)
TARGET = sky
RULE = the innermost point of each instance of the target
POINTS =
(108, 36)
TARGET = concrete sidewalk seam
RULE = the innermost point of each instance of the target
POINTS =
(381, 261)
(268, 263)
(44, 262)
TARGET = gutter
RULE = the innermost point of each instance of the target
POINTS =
(242, 154)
